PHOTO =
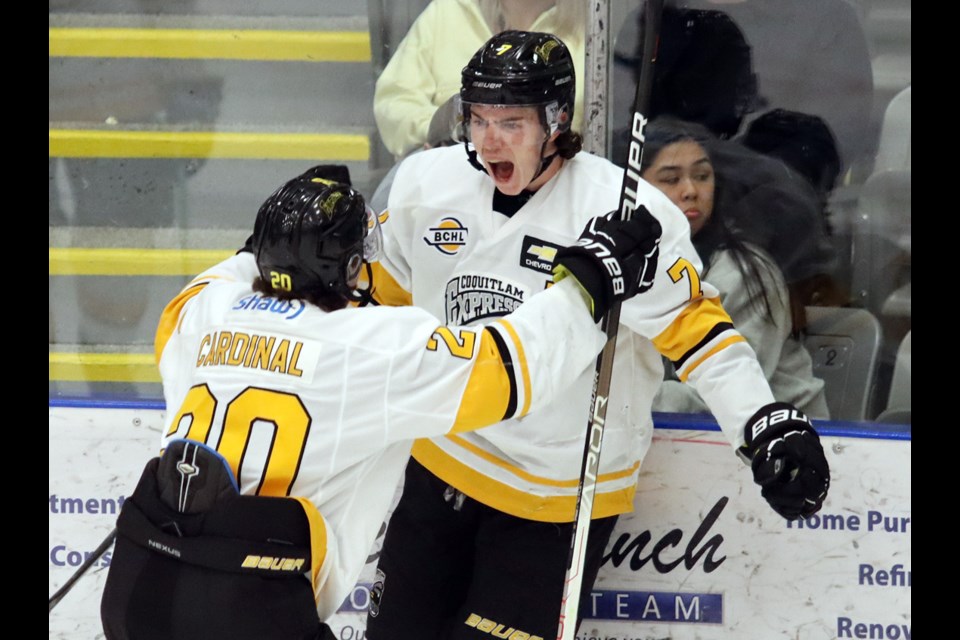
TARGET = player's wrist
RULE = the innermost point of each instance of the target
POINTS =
(561, 273)
(584, 272)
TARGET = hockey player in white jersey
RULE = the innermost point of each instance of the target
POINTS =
(482, 529)
(291, 412)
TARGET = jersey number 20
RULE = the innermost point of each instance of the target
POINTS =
(284, 411)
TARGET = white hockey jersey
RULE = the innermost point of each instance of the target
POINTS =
(447, 251)
(325, 406)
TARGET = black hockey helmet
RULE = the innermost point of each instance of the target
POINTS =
(314, 234)
(522, 68)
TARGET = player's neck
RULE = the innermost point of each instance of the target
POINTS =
(552, 169)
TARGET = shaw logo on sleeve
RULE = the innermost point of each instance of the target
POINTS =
(447, 236)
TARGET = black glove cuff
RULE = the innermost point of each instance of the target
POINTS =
(583, 266)
(770, 422)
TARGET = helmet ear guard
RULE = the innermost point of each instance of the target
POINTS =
(557, 117)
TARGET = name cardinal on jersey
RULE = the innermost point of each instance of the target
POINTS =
(237, 349)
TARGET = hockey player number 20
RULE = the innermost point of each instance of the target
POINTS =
(285, 411)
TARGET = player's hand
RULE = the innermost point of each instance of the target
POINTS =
(787, 459)
(613, 260)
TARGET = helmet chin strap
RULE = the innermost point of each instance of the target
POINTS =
(472, 157)
(364, 297)
(543, 163)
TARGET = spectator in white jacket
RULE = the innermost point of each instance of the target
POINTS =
(413, 101)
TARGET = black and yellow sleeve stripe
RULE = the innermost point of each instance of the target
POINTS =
(386, 290)
(701, 330)
(499, 386)
(170, 318)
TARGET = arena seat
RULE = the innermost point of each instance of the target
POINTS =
(881, 239)
(898, 402)
(844, 343)
(894, 147)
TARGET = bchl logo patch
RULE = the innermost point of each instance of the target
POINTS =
(448, 236)
(538, 254)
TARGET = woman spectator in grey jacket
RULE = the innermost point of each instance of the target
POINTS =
(752, 287)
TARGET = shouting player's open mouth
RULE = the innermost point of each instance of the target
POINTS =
(501, 171)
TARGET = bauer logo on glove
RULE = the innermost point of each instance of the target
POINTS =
(775, 418)
(787, 460)
(602, 253)
(613, 259)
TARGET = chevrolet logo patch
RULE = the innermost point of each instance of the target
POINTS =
(538, 254)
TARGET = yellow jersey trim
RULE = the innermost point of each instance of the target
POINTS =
(690, 326)
(318, 542)
(170, 318)
(512, 501)
(387, 291)
(523, 367)
(720, 347)
(485, 397)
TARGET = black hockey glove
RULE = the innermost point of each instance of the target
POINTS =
(613, 260)
(787, 460)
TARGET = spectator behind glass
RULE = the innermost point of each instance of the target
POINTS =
(752, 287)
(809, 57)
(779, 210)
(414, 101)
(704, 74)
(801, 140)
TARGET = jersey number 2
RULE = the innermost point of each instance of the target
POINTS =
(461, 345)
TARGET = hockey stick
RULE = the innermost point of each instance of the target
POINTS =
(99, 551)
(573, 581)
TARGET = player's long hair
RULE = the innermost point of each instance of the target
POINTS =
(569, 143)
